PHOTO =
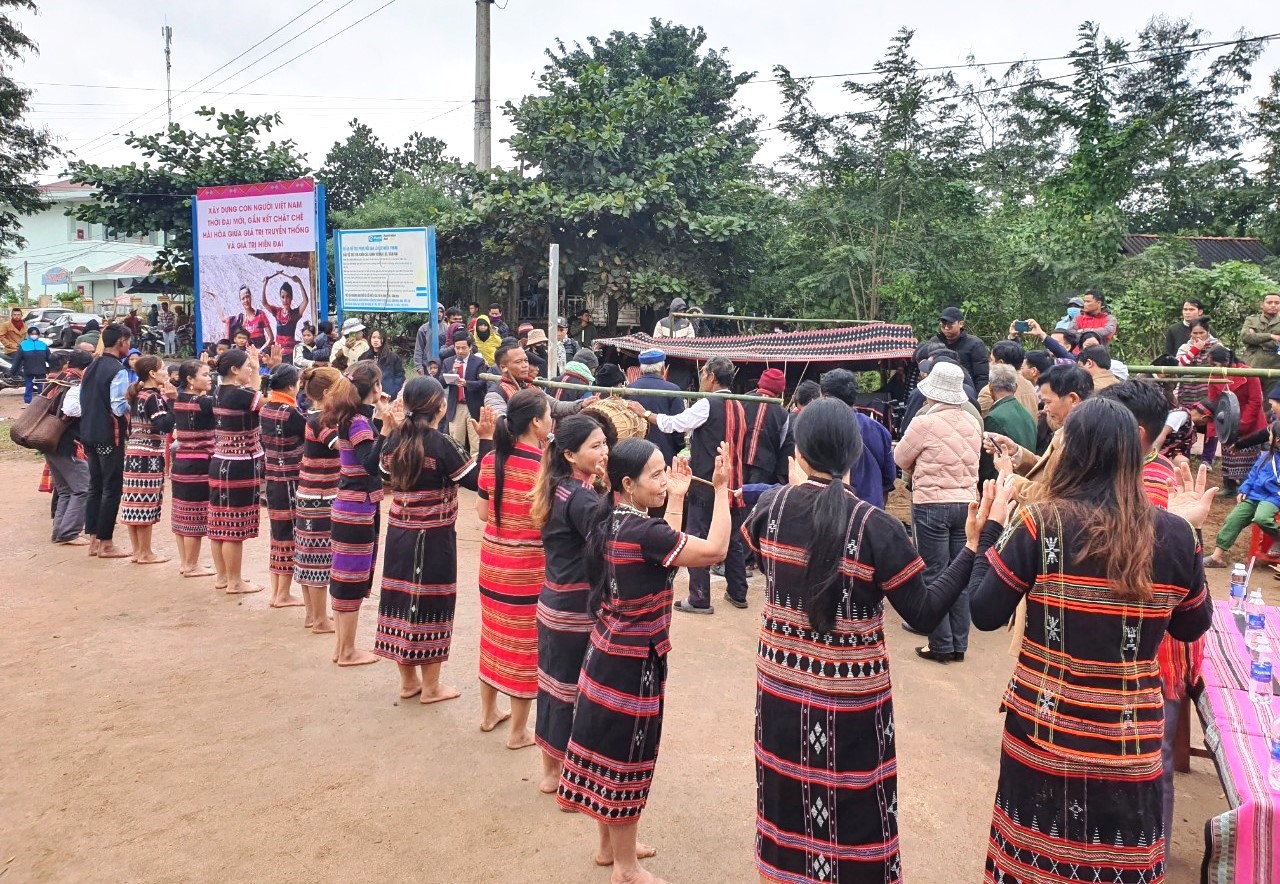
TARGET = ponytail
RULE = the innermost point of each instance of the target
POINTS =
(317, 380)
(571, 434)
(423, 400)
(143, 368)
(347, 394)
(523, 409)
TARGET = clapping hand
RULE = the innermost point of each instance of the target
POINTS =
(1188, 496)
(680, 477)
(394, 414)
(724, 462)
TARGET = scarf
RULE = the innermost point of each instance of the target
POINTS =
(282, 397)
(483, 334)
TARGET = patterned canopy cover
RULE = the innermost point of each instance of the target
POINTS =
(873, 342)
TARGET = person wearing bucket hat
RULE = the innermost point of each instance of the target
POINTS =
(653, 376)
(942, 448)
(969, 350)
(353, 344)
(765, 422)
(535, 345)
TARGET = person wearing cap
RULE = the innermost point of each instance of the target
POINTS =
(765, 421)
(1094, 316)
(566, 347)
(942, 448)
(671, 326)
(653, 376)
(353, 345)
(970, 352)
(535, 344)
(465, 393)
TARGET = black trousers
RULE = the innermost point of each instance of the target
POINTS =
(106, 483)
(698, 523)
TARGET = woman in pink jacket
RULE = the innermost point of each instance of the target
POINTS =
(941, 447)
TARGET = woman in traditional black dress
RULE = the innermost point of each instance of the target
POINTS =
(235, 469)
(632, 561)
(420, 567)
(351, 406)
(564, 506)
(826, 768)
(283, 428)
(189, 468)
(317, 487)
(143, 491)
(1080, 795)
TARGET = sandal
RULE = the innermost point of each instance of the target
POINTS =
(1213, 563)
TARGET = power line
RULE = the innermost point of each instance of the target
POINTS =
(211, 73)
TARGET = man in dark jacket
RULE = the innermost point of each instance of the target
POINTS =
(467, 391)
(32, 362)
(875, 472)
(970, 351)
(103, 431)
(653, 370)
(1180, 332)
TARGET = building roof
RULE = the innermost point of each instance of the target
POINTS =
(135, 266)
(871, 342)
(63, 187)
(1210, 250)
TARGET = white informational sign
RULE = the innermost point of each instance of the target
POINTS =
(386, 271)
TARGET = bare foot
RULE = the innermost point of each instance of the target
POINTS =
(150, 559)
(439, 694)
(359, 657)
(291, 601)
(323, 629)
(522, 740)
(409, 693)
(643, 851)
(244, 587)
(78, 540)
(548, 786)
(201, 571)
(489, 724)
(95, 546)
(637, 876)
(111, 551)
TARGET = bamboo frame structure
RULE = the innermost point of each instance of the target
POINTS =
(630, 393)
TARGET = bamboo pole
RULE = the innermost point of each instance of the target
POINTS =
(738, 318)
(1204, 371)
(629, 392)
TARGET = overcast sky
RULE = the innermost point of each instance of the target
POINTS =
(410, 65)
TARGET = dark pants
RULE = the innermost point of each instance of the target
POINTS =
(939, 534)
(697, 524)
(29, 390)
(106, 483)
(70, 477)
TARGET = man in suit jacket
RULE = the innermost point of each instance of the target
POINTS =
(468, 390)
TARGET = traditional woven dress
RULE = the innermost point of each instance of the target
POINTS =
(420, 567)
(143, 494)
(317, 487)
(189, 472)
(826, 759)
(564, 618)
(1080, 791)
(283, 426)
(511, 570)
(356, 516)
(617, 720)
(236, 465)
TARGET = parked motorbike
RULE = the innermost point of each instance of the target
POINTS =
(150, 340)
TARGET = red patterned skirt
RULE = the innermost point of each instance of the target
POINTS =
(510, 583)
(234, 504)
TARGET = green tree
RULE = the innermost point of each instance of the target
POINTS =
(641, 168)
(1264, 127)
(24, 149)
(362, 165)
(137, 199)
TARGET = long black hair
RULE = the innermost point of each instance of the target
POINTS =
(423, 398)
(571, 434)
(627, 460)
(828, 437)
(523, 409)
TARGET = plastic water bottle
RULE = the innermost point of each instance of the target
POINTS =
(1260, 672)
(1238, 588)
(1255, 619)
(1274, 775)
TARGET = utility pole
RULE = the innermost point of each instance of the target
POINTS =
(167, 33)
(484, 122)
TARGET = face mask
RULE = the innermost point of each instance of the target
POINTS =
(1073, 312)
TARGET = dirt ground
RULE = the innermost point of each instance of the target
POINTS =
(155, 730)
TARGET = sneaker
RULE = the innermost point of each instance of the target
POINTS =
(690, 609)
(737, 604)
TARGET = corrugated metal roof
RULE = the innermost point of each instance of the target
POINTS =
(1211, 250)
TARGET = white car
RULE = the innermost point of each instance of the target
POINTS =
(43, 317)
